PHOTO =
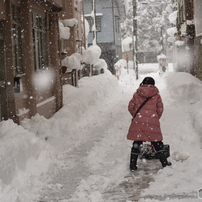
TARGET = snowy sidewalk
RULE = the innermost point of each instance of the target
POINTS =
(96, 158)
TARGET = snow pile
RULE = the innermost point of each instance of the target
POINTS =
(120, 64)
(188, 89)
(91, 55)
(101, 65)
(70, 22)
(148, 68)
(172, 17)
(179, 43)
(94, 121)
(171, 31)
(72, 62)
(24, 160)
(127, 44)
(27, 157)
(162, 56)
(64, 31)
(184, 138)
(90, 91)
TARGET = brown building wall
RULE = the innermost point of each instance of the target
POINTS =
(9, 63)
(54, 59)
(68, 12)
(30, 98)
(73, 10)
(198, 54)
(2, 10)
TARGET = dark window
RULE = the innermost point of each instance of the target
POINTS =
(98, 22)
(17, 40)
(39, 42)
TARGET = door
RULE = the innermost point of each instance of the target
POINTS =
(3, 91)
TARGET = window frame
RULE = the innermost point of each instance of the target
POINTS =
(40, 47)
(17, 39)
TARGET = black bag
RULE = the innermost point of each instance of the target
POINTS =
(148, 153)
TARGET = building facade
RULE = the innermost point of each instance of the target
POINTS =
(108, 15)
(189, 32)
(31, 54)
(73, 14)
(184, 51)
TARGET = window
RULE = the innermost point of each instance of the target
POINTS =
(39, 42)
(17, 40)
(97, 22)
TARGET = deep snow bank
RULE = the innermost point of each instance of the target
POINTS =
(26, 154)
(17, 145)
(187, 89)
(24, 159)
(181, 126)
(77, 101)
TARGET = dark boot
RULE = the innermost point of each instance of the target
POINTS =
(163, 159)
(133, 160)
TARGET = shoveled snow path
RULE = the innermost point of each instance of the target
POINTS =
(91, 175)
(110, 117)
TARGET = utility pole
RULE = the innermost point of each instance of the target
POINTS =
(135, 62)
(94, 22)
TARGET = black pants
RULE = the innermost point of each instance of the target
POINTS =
(137, 144)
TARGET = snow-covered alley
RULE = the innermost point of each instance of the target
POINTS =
(81, 154)
(96, 162)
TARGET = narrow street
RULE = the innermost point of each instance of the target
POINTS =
(108, 118)
(96, 170)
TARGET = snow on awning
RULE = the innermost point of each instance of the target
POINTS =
(92, 54)
(64, 27)
(72, 62)
(64, 32)
(70, 22)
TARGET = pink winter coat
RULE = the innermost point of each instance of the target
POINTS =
(146, 126)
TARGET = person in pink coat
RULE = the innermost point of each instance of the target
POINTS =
(145, 126)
